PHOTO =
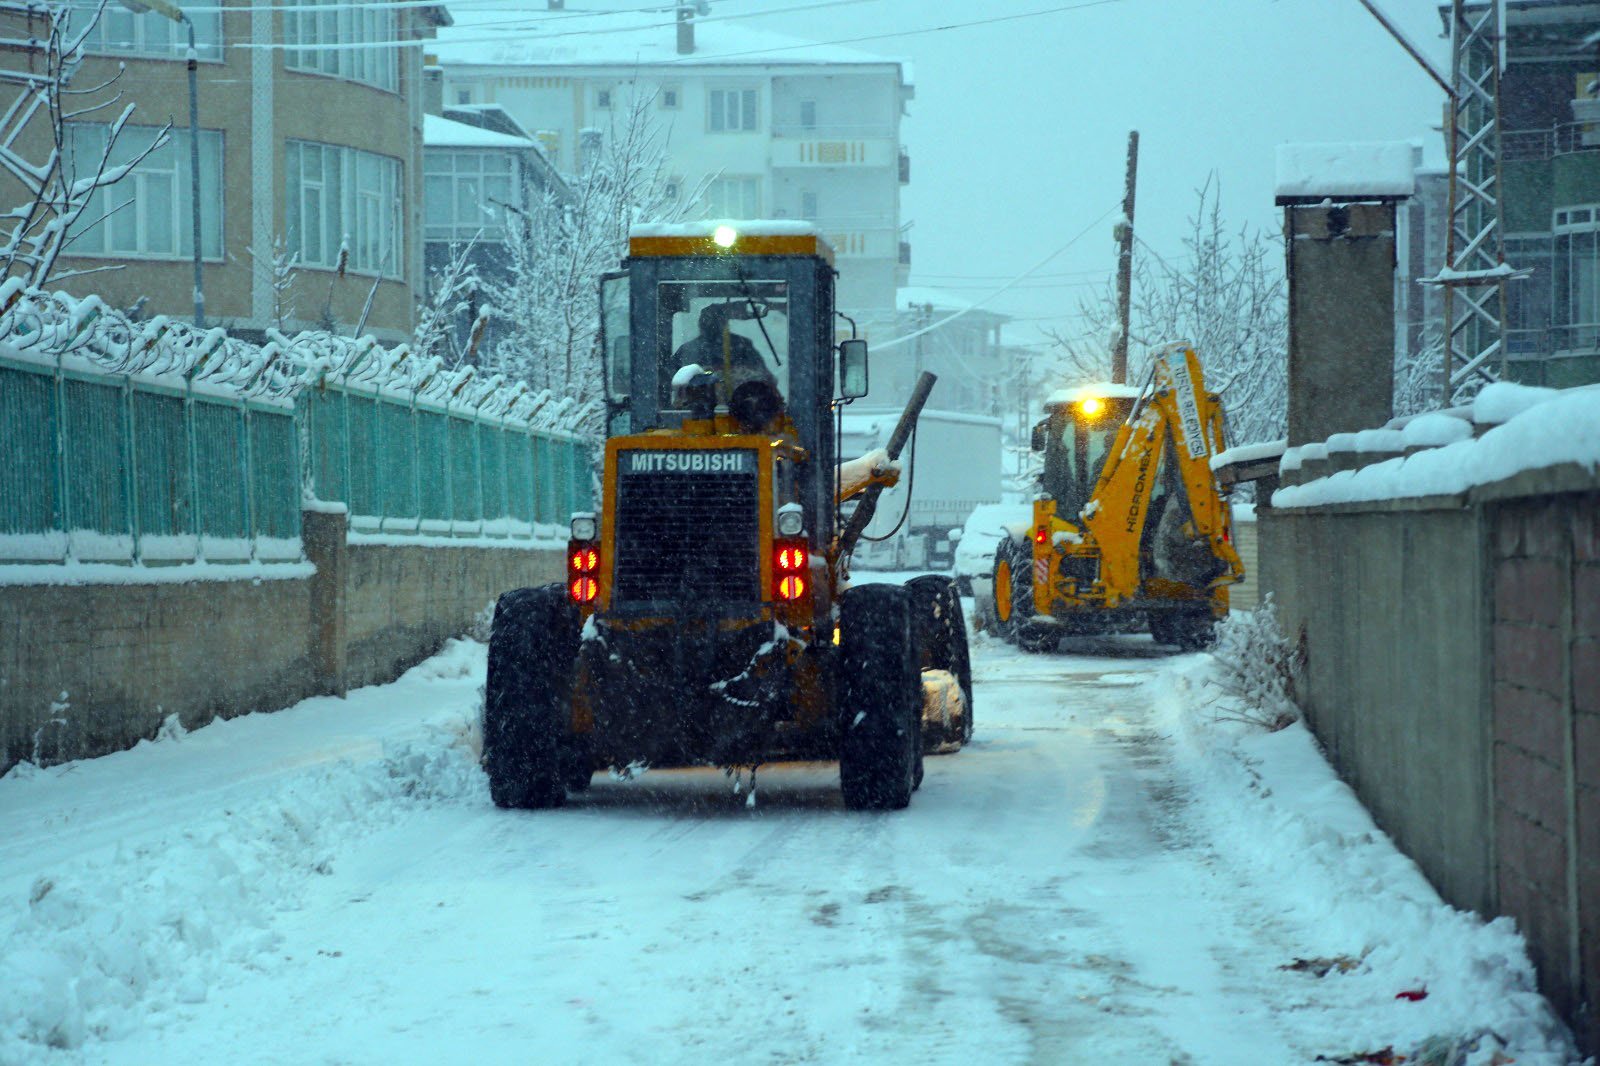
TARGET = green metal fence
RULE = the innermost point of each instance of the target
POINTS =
(163, 444)
(102, 467)
(405, 464)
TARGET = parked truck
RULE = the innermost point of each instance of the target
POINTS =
(952, 468)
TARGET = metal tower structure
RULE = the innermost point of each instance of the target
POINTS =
(1475, 274)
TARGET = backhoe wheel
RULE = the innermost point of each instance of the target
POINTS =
(940, 634)
(1193, 630)
(880, 695)
(527, 707)
(1161, 627)
(1012, 588)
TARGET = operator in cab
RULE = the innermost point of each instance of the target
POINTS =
(745, 383)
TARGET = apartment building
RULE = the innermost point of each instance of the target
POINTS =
(310, 142)
(759, 125)
(1550, 176)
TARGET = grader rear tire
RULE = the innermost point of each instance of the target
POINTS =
(941, 637)
(880, 752)
(532, 647)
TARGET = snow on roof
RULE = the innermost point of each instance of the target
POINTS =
(487, 36)
(438, 132)
(1564, 428)
(1105, 390)
(1374, 168)
(756, 227)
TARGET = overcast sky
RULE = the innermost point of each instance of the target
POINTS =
(1018, 131)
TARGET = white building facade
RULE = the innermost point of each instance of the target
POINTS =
(754, 125)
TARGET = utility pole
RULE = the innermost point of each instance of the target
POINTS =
(1124, 233)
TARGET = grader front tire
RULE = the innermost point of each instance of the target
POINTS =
(527, 700)
(880, 753)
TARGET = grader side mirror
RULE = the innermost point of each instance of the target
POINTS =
(852, 369)
(1041, 436)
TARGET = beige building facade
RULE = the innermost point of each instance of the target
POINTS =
(309, 154)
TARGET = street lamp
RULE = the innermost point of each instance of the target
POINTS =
(172, 11)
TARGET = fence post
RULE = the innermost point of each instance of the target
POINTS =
(63, 475)
(323, 536)
(247, 460)
(130, 469)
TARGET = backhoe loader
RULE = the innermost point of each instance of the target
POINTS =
(706, 618)
(1129, 527)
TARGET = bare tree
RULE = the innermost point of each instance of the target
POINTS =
(45, 42)
(279, 268)
(1227, 297)
(453, 292)
(560, 248)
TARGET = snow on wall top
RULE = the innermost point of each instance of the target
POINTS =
(1104, 390)
(1244, 453)
(486, 37)
(1373, 168)
(758, 227)
(439, 132)
(1564, 428)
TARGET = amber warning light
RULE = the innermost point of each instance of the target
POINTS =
(583, 567)
(789, 558)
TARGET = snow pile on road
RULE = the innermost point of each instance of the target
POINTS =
(102, 941)
(1411, 972)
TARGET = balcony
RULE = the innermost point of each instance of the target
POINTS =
(905, 253)
(855, 153)
(905, 166)
(1525, 146)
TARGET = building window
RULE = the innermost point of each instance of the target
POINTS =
(671, 99)
(734, 197)
(339, 24)
(1528, 301)
(732, 110)
(147, 213)
(463, 97)
(151, 36)
(468, 194)
(340, 197)
(808, 114)
(1575, 279)
(602, 100)
(672, 189)
(808, 206)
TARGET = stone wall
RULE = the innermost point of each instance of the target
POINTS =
(89, 669)
(93, 668)
(1453, 676)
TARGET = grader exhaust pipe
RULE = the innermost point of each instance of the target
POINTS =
(897, 440)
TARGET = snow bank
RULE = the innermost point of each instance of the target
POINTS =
(1564, 428)
(1382, 168)
(1280, 815)
(101, 942)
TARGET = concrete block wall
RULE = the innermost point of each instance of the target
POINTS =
(128, 655)
(90, 669)
(1453, 676)
(402, 602)
(1545, 560)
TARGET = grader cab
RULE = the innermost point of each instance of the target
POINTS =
(705, 618)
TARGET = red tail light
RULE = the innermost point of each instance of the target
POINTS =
(790, 562)
(583, 565)
(1039, 535)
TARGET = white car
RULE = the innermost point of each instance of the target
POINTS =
(974, 562)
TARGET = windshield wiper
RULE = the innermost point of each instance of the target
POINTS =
(750, 299)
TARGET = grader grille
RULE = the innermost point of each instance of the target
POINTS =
(688, 537)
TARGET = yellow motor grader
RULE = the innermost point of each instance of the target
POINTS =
(1129, 526)
(705, 619)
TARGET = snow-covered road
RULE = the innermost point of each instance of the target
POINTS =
(1100, 877)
